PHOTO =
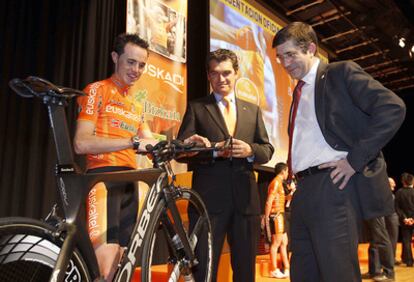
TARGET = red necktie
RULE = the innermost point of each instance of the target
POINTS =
(296, 97)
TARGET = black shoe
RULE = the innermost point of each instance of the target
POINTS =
(383, 278)
(370, 275)
(410, 264)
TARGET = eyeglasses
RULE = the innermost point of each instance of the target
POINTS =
(287, 56)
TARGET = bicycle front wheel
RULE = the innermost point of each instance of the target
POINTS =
(163, 258)
(28, 252)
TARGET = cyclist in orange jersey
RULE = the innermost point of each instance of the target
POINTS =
(274, 220)
(110, 129)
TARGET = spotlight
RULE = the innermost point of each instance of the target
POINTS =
(401, 42)
(412, 49)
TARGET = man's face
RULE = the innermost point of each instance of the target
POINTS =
(293, 60)
(131, 64)
(285, 174)
(222, 77)
(392, 183)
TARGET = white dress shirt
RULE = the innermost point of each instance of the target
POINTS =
(309, 147)
(222, 104)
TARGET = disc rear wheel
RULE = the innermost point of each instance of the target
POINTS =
(28, 252)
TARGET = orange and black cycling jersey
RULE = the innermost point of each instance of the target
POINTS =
(278, 193)
(115, 115)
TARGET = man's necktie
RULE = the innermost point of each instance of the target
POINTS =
(229, 116)
(296, 97)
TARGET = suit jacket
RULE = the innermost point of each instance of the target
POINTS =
(203, 117)
(359, 115)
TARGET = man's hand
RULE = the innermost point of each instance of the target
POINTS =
(223, 153)
(409, 221)
(199, 140)
(341, 170)
(241, 149)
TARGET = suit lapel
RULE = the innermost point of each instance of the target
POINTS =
(240, 116)
(216, 115)
(320, 83)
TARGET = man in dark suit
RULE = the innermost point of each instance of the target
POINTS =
(404, 204)
(225, 180)
(340, 119)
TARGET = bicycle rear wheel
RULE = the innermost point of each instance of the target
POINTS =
(162, 237)
(28, 252)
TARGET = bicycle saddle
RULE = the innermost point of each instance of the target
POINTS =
(39, 87)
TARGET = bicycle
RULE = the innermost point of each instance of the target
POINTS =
(59, 249)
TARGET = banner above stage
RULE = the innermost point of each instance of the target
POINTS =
(162, 89)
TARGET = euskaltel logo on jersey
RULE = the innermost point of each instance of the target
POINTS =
(122, 112)
(91, 98)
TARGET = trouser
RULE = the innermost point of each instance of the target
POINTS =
(391, 222)
(324, 232)
(242, 233)
(380, 242)
(406, 238)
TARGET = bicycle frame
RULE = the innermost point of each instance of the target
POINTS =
(74, 186)
(72, 183)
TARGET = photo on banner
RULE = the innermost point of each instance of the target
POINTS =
(162, 89)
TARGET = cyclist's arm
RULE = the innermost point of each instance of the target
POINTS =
(85, 142)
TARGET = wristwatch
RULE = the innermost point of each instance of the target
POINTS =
(135, 142)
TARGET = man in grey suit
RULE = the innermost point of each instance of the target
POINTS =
(340, 119)
(225, 180)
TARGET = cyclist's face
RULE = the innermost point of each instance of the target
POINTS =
(222, 77)
(131, 64)
(296, 62)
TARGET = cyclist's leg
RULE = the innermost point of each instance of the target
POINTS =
(128, 213)
(108, 256)
(284, 254)
(103, 213)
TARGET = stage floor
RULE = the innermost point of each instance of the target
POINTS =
(402, 272)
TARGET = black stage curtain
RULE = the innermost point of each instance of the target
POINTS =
(67, 42)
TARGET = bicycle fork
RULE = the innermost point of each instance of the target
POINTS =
(183, 247)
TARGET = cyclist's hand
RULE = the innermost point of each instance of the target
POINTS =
(241, 149)
(143, 142)
(199, 140)
(263, 222)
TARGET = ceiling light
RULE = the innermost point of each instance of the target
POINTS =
(401, 42)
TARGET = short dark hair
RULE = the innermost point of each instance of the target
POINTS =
(301, 33)
(407, 179)
(122, 39)
(279, 167)
(221, 55)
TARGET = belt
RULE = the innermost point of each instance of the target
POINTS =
(310, 171)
